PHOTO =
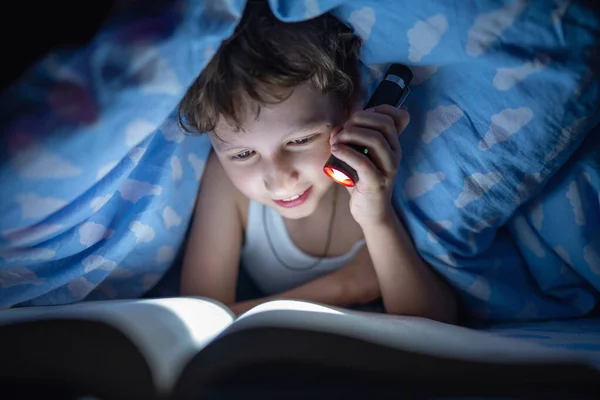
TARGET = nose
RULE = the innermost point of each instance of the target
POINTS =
(280, 176)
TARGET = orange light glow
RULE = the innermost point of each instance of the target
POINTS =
(338, 176)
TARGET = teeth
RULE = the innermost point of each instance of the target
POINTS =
(293, 197)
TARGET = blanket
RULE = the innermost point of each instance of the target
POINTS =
(498, 187)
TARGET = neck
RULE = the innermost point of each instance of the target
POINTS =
(329, 203)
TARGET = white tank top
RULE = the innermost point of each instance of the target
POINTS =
(290, 267)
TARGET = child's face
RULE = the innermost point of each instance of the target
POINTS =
(282, 153)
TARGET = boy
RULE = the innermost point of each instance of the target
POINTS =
(277, 100)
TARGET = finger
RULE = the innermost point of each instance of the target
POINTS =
(379, 122)
(401, 117)
(380, 153)
(334, 132)
(366, 170)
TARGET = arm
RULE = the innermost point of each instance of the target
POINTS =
(408, 285)
(210, 265)
(355, 283)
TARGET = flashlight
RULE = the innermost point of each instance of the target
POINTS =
(392, 90)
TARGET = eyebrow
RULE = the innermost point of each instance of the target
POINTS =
(223, 146)
(309, 125)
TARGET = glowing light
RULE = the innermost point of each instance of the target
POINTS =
(338, 176)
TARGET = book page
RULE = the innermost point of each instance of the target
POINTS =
(168, 331)
(413, 334)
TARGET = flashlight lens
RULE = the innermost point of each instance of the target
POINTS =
(339, 176)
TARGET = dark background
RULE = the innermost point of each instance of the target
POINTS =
(31, 29)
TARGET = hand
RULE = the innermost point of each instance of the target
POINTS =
(378, 130)
(240, 308)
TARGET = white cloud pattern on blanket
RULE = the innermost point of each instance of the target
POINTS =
(562, 253)
(529, 183)
(37, 162)
(566, 137)
(440, 119)
(63, 72)
(156, 75)
(94, 262)
(363, 20)
(475, 186)
(100, 201)
(537, 214)
(557, 16)
(591, 257)
(143, 233)
(311, 9)
(420, 183)
(15, 276)
(80, 287)
(24, 255)
(485, 223)
(436, 227)
(176, 170)
(34, 206)
(507, 77)
(425, 35)
(165, 254)
(574, 197)
(171, 131)
(137, 131)
(171, 218)
(197, 165)
(32, 235)
(446, 259)
(133, 190)
(209, 52)
(136, 154)
(105, 169)
(505, 124)
(525, 235)
(480, 288)
(149, 280)
(488, 27)
(91, 233)
(122, 273)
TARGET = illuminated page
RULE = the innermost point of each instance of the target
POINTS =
(412, 334)
(168, 331)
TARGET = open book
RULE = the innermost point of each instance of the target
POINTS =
(185, 347)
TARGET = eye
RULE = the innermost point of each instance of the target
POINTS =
(300, 142)
(244, 155)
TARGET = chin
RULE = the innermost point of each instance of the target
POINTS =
(295, 213)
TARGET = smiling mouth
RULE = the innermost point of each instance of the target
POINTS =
(294, 197)
(295, 200)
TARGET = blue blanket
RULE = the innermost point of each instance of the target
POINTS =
(579, 336)
(499, 185)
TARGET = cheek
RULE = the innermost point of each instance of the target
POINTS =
(245, 179)
(316, 158)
